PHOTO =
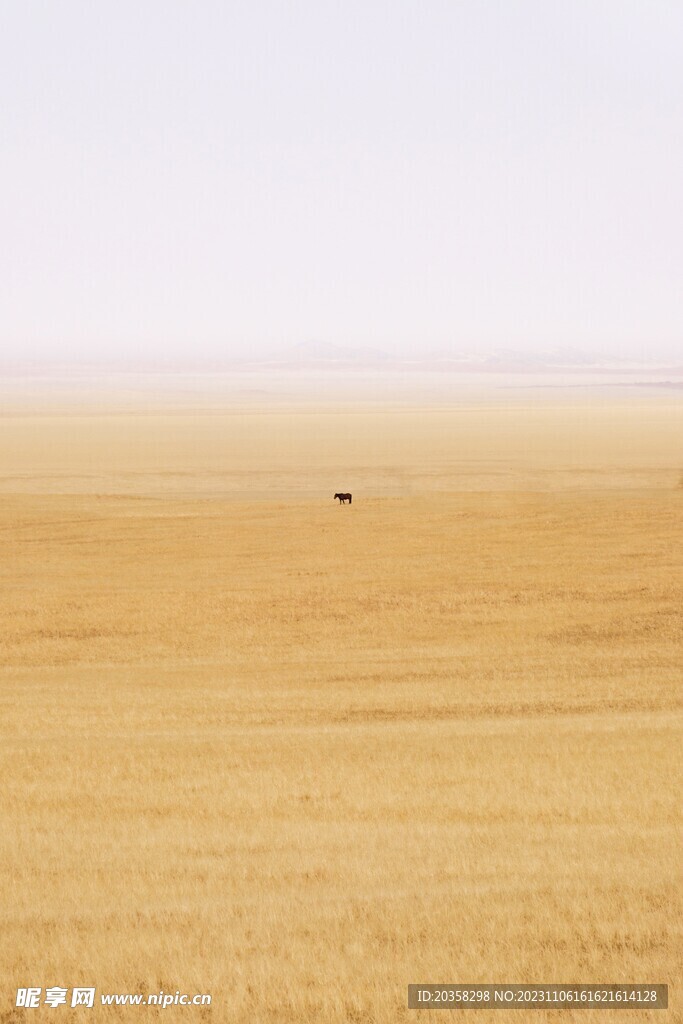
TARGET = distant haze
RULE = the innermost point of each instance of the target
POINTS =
(216, 181)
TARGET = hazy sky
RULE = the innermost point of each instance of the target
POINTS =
(204, 178)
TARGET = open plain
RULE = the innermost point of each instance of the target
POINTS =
(298, 755)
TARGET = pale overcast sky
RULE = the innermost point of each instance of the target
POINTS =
(201, 179)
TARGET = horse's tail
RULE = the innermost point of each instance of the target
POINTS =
(350, 499)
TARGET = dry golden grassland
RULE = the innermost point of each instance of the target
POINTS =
(298, 755)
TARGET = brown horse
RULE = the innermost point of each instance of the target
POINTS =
(343, 498)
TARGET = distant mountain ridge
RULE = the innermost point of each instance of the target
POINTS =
(328, 356)
(325, 355)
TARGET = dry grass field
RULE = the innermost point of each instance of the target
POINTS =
(298, 755)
